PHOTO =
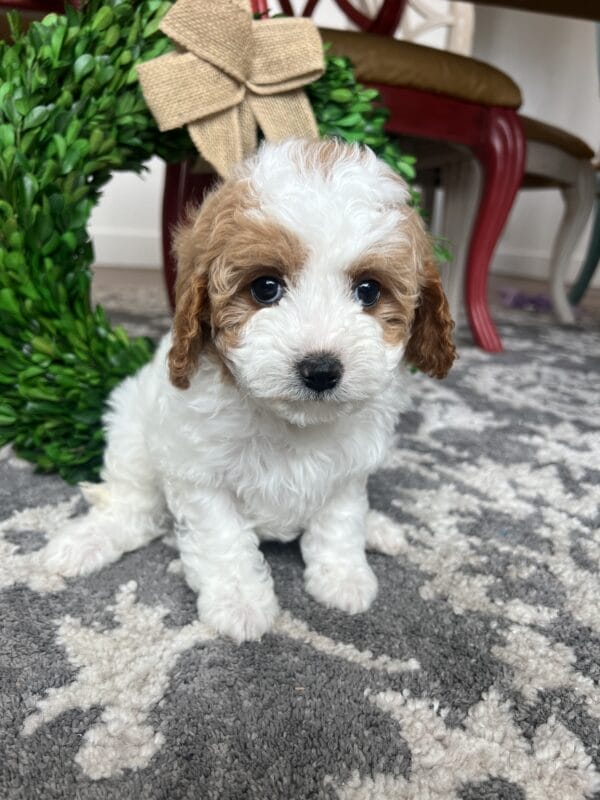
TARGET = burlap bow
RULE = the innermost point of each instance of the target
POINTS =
(230, 73)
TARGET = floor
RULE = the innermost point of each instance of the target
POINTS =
(487, 620)
(119, 288)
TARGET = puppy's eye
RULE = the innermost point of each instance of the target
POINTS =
(267, 290)
(367, 293)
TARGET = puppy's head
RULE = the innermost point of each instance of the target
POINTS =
(310, 277)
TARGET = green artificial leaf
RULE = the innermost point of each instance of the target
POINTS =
(349, 121)
(16, 239)
(102, 19)
(8, 302)
(50, 20)
(56, 42)
(112, 36)
(151, 28)
(29, 186)
(36, 117)
(60, 144)
(83, 66)
(341, 95)
(7, 136)
(14, 260)
(406, 170)
(44, 346)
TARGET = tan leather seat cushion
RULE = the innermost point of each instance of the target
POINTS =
(536, 131)
(380, 59)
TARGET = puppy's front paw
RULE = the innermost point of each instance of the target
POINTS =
(351, 588)
(242, 612)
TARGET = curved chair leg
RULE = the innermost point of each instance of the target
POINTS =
(462, 188)
(426, 182)
(592, 258)
(578, 199)
(182, 187)
(501, 153)
(171, 209)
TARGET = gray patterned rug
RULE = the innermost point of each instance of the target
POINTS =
(475, 675)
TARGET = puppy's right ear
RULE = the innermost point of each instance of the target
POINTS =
(191, 304)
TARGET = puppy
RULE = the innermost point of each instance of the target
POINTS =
(303, 282)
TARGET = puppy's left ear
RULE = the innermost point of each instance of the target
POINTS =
(191, 305)
(430, 347)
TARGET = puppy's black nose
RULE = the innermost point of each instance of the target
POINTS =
(320, 371)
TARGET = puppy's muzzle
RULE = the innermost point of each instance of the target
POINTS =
(320, 372)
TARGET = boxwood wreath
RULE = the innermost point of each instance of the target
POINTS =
(72, 113)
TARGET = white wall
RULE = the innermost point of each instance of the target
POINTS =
(552, 59)
(125, 226)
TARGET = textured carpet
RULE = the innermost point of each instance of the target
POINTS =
(476, 674)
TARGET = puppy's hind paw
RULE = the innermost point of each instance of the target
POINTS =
(76, 552)
(384, 535)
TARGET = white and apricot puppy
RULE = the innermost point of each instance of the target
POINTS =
(304, 281)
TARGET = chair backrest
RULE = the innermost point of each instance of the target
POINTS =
(384, 20)
(445, 24)
(455, 23)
